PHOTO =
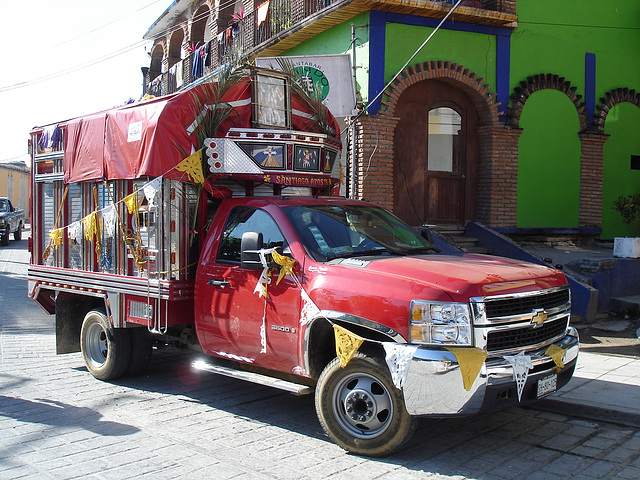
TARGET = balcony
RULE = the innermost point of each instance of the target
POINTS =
(290, 22)
(283, 24)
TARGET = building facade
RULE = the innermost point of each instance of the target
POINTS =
(15, 184)
(521, 114)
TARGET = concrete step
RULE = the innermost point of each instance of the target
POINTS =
(456, 233)
(464, 241)
(629, 303)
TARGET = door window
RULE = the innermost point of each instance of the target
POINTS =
(444, 140)
(246, 219)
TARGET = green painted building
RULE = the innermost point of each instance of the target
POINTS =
(521, 114)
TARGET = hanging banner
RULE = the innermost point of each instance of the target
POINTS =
(331, 74)
(521, 364)
(91, 225)
(192, 166)
(398, 358)
(263, 332)
(347, 344)
(109, 219)
(56, 237)
(286, 265)
(470, 361)
(131, 201)
(262, 12)
(557, 354)
(75, 231)
(151, 189)
(309, 308)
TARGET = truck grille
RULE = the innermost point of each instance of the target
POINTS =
(524, 305)
(508, 325)
(524, 336)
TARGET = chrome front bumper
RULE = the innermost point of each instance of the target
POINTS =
(434, 385)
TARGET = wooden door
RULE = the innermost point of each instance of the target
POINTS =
(435, 155)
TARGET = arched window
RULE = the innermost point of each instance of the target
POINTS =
(444, 140)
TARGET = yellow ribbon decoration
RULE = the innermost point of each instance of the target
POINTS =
(56, 237)
(47, 250)
(192, 166)
(347, 344)
(131, 201)
(91, 225)
(470, 361)
(286, 265)
(557, 354)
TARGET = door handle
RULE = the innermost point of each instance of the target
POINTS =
(218, 283)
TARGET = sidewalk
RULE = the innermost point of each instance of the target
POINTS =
(604, 388)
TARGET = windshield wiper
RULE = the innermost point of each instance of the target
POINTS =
(417, 251)
(364, 253)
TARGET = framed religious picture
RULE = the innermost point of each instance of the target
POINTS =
(267, 156)
(329, 160)
(271, 105)
(306, 159)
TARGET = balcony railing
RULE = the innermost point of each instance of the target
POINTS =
(267, 28)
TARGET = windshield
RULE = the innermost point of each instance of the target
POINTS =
(340, 231)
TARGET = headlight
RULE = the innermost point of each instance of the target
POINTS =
(440, 323)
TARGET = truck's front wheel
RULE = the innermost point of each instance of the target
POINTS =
(106, 351)
(360, 408)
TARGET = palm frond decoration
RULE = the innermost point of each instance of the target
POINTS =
(209, 107)
(311, 98)
(210, 112)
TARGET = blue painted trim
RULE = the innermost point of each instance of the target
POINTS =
(448, 25)
(377, 41)
(377, 52)
(590, 84)
(548, 231)
(503, 73)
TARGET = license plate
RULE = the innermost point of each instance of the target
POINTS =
(547, 385)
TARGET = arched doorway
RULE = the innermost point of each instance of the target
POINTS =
(435, 155)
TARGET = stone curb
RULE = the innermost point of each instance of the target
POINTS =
(588, 412)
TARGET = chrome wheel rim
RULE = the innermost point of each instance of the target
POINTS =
(362, 405)
(96, 345)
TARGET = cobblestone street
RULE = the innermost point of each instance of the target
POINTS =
(58, 422)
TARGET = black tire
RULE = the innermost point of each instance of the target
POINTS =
(106, 351)
(4, 239)
(17, 235)
(141, 350)
(360, 408)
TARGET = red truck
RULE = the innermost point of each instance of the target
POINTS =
(136, 245)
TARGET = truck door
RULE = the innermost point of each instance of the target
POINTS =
(231, 315)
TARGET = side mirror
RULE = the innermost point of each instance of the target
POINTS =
(250, 245)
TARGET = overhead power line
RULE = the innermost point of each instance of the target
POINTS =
(73, 69)
(89, 32)
(108, 56)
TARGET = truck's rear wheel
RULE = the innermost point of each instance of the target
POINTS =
(17, 235)
(106, 351)
(360, 408)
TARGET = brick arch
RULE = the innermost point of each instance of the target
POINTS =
(157, 56)
(539, 82)
(610, 100)
(485, 102)
(199, 22)
(176, 39)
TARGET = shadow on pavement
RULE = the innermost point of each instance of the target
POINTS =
(59, 414)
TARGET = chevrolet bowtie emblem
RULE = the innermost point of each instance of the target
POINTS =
(539, 318)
